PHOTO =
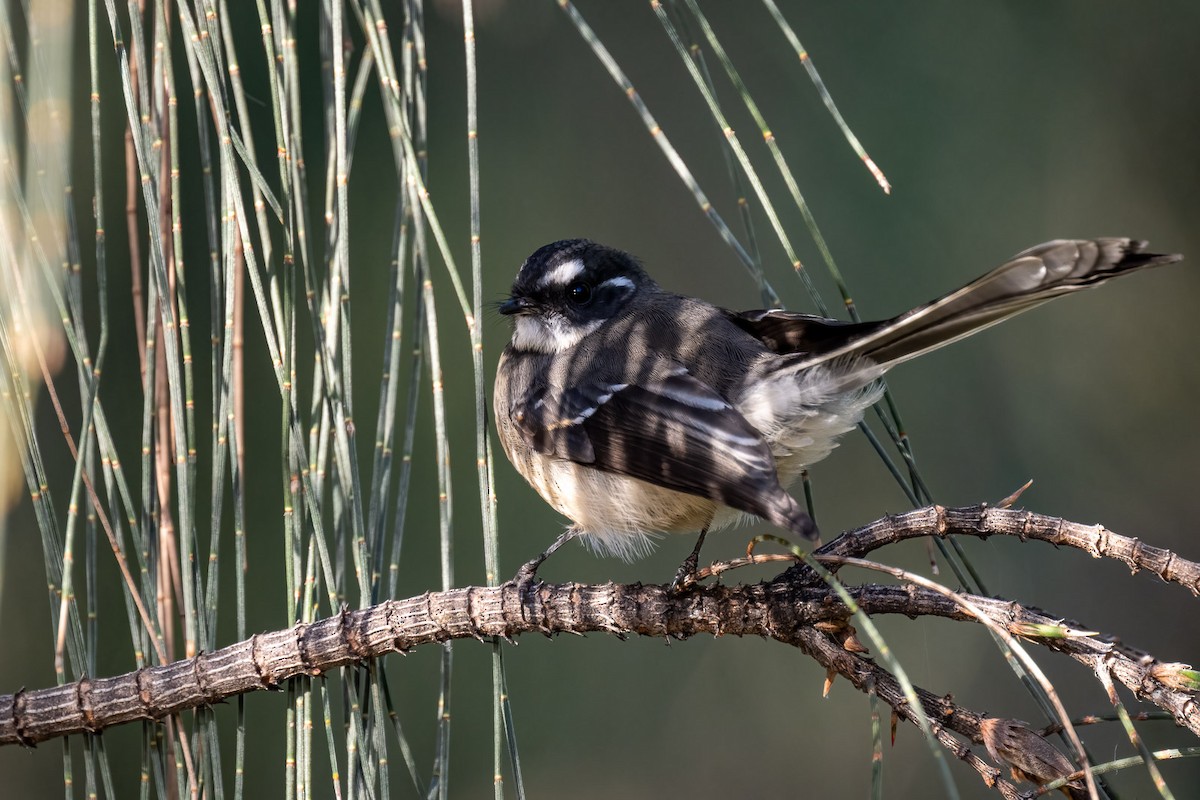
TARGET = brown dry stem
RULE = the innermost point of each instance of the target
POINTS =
(793, 609)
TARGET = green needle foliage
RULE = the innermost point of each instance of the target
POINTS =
(194, 337)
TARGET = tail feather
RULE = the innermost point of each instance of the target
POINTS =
(783, 511)
(1031, 278)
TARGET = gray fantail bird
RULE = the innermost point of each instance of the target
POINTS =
(634, 411)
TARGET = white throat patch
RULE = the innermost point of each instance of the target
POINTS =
(549, 333)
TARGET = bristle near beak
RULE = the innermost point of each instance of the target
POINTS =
(515, 305)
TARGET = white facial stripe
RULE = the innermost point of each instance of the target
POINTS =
(621, 281)
(549, 333)
(563, 274)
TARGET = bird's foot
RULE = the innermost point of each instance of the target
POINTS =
(526, 579)
(685, 576)
(526, 582)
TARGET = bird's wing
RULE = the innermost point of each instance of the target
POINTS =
(672, 431)
(789, 332)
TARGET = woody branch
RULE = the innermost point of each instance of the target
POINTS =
(795, 608)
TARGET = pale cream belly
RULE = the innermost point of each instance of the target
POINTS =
(622, 516)
(619, 514)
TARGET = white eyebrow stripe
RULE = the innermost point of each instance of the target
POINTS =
(619, 281)
(563, 274)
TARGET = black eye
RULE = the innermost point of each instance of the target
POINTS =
(579, 293)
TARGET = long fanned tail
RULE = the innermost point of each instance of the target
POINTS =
(1031, 278)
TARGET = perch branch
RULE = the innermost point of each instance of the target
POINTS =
(984, 521)
(792, 610)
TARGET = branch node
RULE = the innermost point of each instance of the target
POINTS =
(981, 514)
(141, 679)
(1099, 543)
(83, 701)
(1188, 710)
(400, 642)
(1135, 555)
(351, 636)
(18, 712)
(201, 680)
(441, 632)
(300, 631)
(472, 618)
(267, 681)
(542, 593)
(940, 524)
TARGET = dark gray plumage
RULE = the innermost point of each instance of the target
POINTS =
(635, 411)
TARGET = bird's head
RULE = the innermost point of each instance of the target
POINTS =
(568, 289)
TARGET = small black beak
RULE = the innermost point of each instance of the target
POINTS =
(515, 305)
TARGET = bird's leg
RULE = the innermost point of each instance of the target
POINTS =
(527, 575)
(685, 576)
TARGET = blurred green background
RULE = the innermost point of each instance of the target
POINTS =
(999, 126)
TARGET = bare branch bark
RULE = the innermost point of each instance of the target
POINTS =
(793, 609)
(984, 521)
